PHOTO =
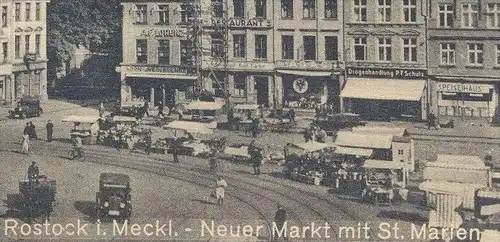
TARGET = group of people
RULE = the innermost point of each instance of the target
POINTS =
(315, 133)
(29, 134)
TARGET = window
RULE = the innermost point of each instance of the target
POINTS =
(17, 46)
(309, 9)
(287, 47)
(27, 14)
(445, 15)
(384, 49)
(447, 54)
(4, 16)
(493, 13)
(18, 12)
(260, 8)
(163, 52)
(217, 45)
(261, 46)
(287, 9)
(185, 50)
(331, 48)
(239, 85)
(186, 13)
(400, 152)
(27, 44)
(239, 45)
(5, 51)
(475, 53)
(37, 11)
(163, 14)
(469, 15)
(141, 46)
(141, 14)
(359, 10)
(309, 48)
(384, 11)
(37, 45)
(498, 55)
(239, 8)
(218, 8)
(331, 9)
(410, 50)
(360, 48)
(410, 11)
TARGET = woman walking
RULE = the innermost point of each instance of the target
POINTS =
(26, 144)
(220, 185)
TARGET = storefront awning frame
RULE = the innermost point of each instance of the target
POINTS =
(383, 89)
(353, 151)
(306, 73)
(161, 76)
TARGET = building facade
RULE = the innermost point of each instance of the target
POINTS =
(23, 65)
(464, 58)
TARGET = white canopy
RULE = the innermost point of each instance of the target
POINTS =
(199, 105)
(312, 146)
(380, 130)
(353, 151)
(124, 119)
(465, 162)
(383, 89)
(363, 140)
(383, 164)
(246, 107)
(188, 126)
(80, 119)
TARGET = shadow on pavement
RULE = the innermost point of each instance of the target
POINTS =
(86, 207)
(403, 216)
(15, 207)
(276, 174)
(62, 140)
(203, 202)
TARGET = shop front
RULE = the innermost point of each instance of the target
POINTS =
(466, 99)
(385, 94)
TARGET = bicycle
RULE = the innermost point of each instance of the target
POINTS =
(75, 155)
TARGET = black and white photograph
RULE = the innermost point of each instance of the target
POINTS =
(250, 120)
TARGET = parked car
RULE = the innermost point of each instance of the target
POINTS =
(26, 108)
(335, 122)
(113, 198)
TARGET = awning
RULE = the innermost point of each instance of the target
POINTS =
(380, 130)
(312, 146)
(363, 140)
(305, 73)
(246, 107)
(353, 151)
(199, 105)
(383, 164)
(383, 89)
(463, 162)
(80, 119)
(162, 76)
(188, 126)
(124, 119)
(448, 187)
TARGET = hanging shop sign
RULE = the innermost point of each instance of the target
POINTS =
(387, 73)
(300, 85)
(163, 33)
(242, 23)
(463, 87)
(158, 69)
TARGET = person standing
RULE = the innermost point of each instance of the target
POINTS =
(33, 172)
(50, 130)
(148, 142)
(174, 149)
(291, 114)
(279, 220)
(33, 130)
(432, 121)
(25, 148)
(257, 161)
(220, 185)
(255, 127)
(27, 129)
(160, 110)
(146, 108)
(101, 110)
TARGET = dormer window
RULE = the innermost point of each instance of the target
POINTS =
(140, 13)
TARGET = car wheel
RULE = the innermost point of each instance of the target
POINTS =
(23, 115)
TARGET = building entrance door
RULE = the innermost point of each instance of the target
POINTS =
(262, 88)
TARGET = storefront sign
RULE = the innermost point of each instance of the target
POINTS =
(163, 33)
(463, 87)
(244, 66)
(387, 73)
(300, 85)
(306, 65)
(242, 23)
(159, 69)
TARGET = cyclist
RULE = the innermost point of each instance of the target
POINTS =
(77, 147)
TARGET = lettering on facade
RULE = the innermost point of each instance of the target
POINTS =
(163, 33)
(387, 73)
(160, 69)
(309, 65)
(248, 66)
(463, 87)
(242, 23)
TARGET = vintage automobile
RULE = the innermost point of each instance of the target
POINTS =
(113, 198)
(335, 122)
(26, 108)
(38, 197)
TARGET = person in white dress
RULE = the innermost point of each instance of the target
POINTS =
(26, 144)
(219, 189)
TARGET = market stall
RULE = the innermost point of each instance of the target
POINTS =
(121, 131)
(183, 134)
(244, 114)
(86, 127)
(383, 179)
(205, 112)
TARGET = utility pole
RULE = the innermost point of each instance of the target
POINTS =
(220, 40)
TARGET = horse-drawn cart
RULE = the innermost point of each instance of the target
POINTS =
(38, 197)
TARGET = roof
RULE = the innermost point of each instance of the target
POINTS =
(311, 146)
(80, 119)
(353, 151)
(200, 105)
(458, 162)
(380, 130)
(246, 106)
(383, 89)
(383, 164)
(124, 119)
(401, 139)
(114, 178)
(447, 187)
(189, 126)
(363, 140)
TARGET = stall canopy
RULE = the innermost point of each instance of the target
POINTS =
(383, 89)
(124, 119)
(80, 119)
(353, 151)
(246, 107)
(312, 146)
(363, 140)
(380, 130)
(458, 162)
(199, 105)
(383, 164)
(191, 127)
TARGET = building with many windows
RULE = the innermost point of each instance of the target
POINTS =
(464, 58)
(23, 59)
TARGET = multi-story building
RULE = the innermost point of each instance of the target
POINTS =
(23, 59)
(385, 54)
(464, 57)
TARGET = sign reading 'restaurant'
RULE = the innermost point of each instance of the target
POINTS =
(463, 87)
(387, 73)
(242, 23)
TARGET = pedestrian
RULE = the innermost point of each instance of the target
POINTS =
(146, 108)
(291, 114)
(307, 135)
(220, 185)
(255, 127)
(50, 129)
(230, 118)
(33, 130)
(33, 172)
(101, 110)
(148, 142)
(257, 161)
(432, 121)
(160, 110)
(321, 136)
(212, 160)
(25, 148)
(286, 151)
(280, 218)
(27, 129)
(174, 149)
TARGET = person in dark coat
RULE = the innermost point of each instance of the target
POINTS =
(432, 121)
(280, 217)
(27, 130)
(148, 142)
(160, 110)
(291, 114)
(146, 108)
(50, 129)
(257, 158)
(33, 130)
(175, 150)
(255, 127)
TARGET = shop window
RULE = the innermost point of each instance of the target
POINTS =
(37, 11)
(359, 11)
(5, 51)
(141, 47)
(4, 16)
(360, 49)
(141, 13)
(469, 15)
(163, 52)
(27, 13)
(261, 46)
(498, 55)
(493, 15)
(384, 11)
(186, 55)
(474, 97)
(475, 54)
(27, 43)
(260, 9)
(287, 47)
(309, 48)
(446, 15)
(17, 46)
(384, 49)
(2, 88)
(239, 46)
(217, 45)
(331, 48)
(17, 12)
(239, 85)
(218, 8)
(287, 9)
(331, 9)
(447, 54)
(186, 13)
(163, 14)
(37, 45)
(410, 11)
(309, 9)
(239, 8)
(410, 49)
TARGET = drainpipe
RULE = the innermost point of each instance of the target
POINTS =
(275, 89)
(428, 82)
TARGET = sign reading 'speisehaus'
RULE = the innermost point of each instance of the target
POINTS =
(387, 73)
(242, 23)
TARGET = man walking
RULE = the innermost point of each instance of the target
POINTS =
(174, 149)
(50, 129)
(33, 131)
(432, 121)
(220, 185)
(27, 129)
(257, 161)
(279, 220)
(148, 142)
